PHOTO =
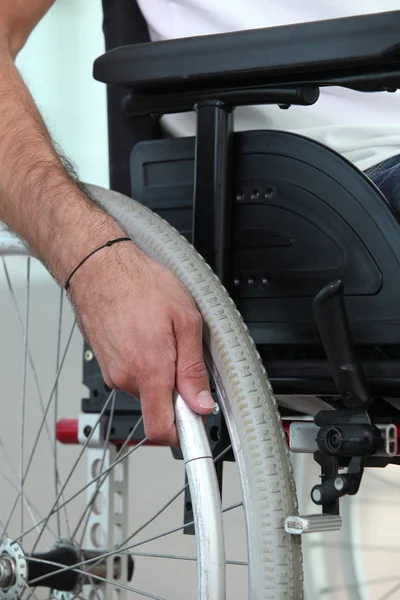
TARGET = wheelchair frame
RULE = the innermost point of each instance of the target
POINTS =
(345, 440)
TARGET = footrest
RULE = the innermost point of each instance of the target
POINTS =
(312, 524)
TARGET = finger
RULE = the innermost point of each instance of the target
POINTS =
(158, 412)
(191, 373)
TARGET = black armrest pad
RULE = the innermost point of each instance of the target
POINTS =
(317, 51)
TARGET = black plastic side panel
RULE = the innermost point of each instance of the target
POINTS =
(304, 216)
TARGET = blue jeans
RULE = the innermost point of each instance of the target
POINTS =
(386, 176)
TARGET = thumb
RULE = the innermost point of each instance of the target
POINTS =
(191, 374)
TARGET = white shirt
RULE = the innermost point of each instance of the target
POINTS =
(363, 127)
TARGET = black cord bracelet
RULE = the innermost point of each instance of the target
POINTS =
(107, 244)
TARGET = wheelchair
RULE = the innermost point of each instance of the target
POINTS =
(303, 241)
(291, 254)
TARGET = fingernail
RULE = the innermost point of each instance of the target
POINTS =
(205, 400)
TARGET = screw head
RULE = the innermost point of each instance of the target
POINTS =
(89, 355)
(216, 409)
(316, 495)
(339, 484)
(87, 430)
(268, 194)
(254, 196)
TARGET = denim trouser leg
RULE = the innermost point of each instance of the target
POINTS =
(386, 177)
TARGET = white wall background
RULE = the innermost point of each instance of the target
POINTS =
(56, 63)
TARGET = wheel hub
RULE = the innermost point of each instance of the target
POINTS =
(54, 569)
(15, 576)
(13, 570)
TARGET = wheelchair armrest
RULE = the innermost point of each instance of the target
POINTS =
(360, 52)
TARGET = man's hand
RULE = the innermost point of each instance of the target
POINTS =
(138, 318)
(146, 333)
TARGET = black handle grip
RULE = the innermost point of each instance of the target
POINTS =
(333, 325)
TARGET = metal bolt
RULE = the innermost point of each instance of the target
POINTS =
(268, 194)
(316, 495)
(250, 280)
(87, 430)
(7, 574)
(265, 280)
(339, 484)
(216, 409)
(236, 281)
(255, 194)
(89, 355)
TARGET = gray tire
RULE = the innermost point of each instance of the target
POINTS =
(262, 456)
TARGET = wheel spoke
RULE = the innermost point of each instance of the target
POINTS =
(57, 481)
(175, 529)
(349, 546)
(129, 438)
(157, 514)
(167, 504)
(390, 593)
(92, 576)
(339, 588)
(375, 501)
(28, 355)
(31, 362)
(88, 510)
(177, 557)
(31, 508)
(29, 590)
(41, 427)
(119, 550)
(221, 454)
(101, 481)
(50, 399)
(56, 507)
(26, 336)
(105, 472)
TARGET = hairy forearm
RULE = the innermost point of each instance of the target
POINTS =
(39, 199)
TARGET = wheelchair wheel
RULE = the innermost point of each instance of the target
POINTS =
(359, 562)
(102, 548)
